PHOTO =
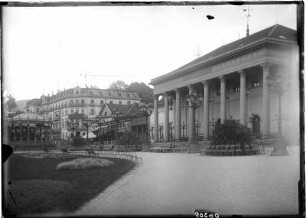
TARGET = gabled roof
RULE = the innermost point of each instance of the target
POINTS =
(276, 32)
(123, 110)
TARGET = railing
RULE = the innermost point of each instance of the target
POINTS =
(76, 104)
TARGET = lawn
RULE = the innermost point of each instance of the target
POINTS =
(35, 186)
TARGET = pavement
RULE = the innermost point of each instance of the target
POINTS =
(177, 183)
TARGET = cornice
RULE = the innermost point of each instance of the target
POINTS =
(223, 57)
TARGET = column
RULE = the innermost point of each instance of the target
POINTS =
(166, 121)
(266, 101)
(242, 97)
(35, 129)
(14, 135)
(177, 114)
(205, 110)
(28, 131)
(156, 118)
(20, 129)
(222, 99)
(191, 117)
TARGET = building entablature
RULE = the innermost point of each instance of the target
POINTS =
(275, 48)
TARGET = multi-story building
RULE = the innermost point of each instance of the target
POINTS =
(71, 111)
(232, 82)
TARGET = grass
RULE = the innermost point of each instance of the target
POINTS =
(73, 187)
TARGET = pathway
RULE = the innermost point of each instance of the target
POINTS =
(174, 183)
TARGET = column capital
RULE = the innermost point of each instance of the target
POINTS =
(222, 78)
(177, 90)
(266, 65)
(205, 82)
(241, 72)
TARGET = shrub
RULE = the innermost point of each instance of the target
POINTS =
(84, 163)
(231, 132)
(78, 141)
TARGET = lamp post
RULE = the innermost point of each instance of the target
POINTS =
(147, 110)
(88, 121)
(195, 100)
(160, 128)
(279, 84)
(211, 101)
(247, 93)
(198, 124)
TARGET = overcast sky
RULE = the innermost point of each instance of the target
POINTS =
(46, 49)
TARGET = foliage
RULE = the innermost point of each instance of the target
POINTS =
(84, 163)
(11, 102)
(85, 184)
(128, 138)
(231, 132)
(144, 92)
(78, 141)
(118, 85)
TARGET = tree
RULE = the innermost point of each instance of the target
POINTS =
(118, 85)
(144, 92)
(11, 103)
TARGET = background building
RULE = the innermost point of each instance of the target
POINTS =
(73, 111)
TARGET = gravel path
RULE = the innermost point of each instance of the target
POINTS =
(173, 183)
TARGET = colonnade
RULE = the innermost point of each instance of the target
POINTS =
(205, 123)
(43, 128)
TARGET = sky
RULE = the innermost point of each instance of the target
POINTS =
(46, 49)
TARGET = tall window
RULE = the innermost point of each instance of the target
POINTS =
(101, 102)
(255, 83)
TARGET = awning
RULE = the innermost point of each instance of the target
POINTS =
(91, 135)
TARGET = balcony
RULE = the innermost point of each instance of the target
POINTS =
(57, 119)
(77, 104)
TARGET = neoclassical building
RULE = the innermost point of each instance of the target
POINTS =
(230, 83)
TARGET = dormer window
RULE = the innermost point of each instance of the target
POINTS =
(120, 102)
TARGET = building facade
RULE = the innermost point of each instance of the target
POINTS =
(116, 119)
(231, 82)
(73, 111)
(27, 130)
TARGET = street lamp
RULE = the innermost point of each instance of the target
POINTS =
(147, 110)
(195, 100)
(279, 84)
